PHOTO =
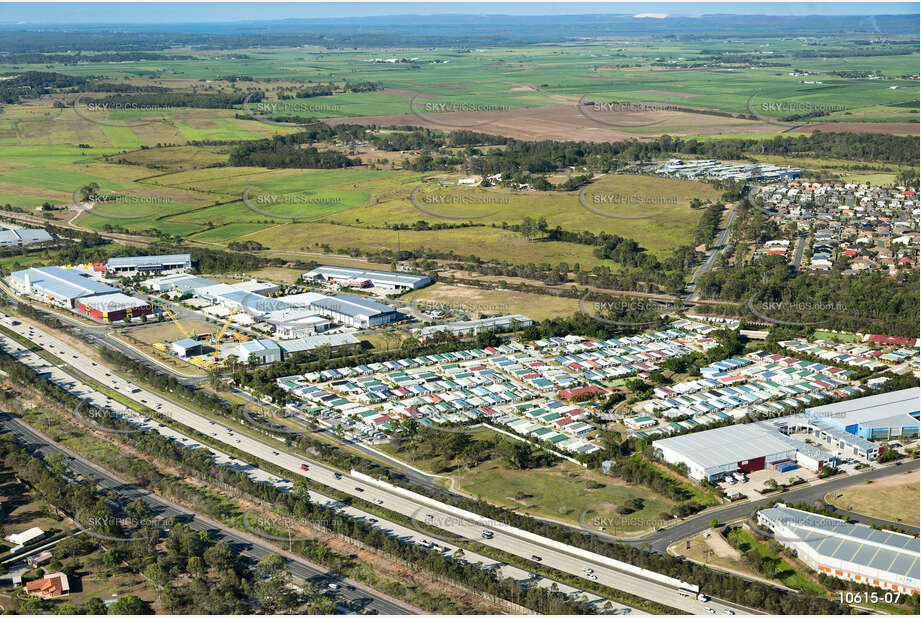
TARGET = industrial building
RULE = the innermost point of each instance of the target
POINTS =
(113, 307)
(22, 237)
(186, 348)
(238, 296)
(181, 282)
(359, 278)
(715, 453)
(854, 552)
(59, 286)
(355, 311)
(255, 351)
(143, 264)
(305, 344)
(879, 417)
(474, 327)
(293, 323)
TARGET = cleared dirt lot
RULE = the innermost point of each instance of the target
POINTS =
(479, 301)
(569, 123)
(894, 498)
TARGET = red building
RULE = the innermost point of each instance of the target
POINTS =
(577, 392)
(113, 307)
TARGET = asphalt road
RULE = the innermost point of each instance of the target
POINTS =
(470, 527)
(809, 495)
(504, 537)
(718, 248)
(241, 543)
(798, 252)
(99, 400)
(99, 335)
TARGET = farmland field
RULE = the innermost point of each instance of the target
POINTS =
(509, 79)
(170, 166)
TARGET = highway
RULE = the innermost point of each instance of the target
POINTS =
(100, 400)
(505, 538)
(240, 542)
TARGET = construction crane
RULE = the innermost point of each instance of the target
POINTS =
(178, 324)
(220, 335)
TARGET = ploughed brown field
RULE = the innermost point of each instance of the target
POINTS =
(568, 123)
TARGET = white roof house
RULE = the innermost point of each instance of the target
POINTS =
(25, 536)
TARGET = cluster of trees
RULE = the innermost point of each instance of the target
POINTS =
(33, 84)
(171, 99)
(414, 138)
(325, 90)
(765, 565)
(80, 58)
(282, 152)
(418, 440)
(245, 245)
(190, 572)
(869, 302)
(708, 225)
(519, 160)
(637, 471)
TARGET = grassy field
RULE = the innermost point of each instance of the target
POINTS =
(829, 336)
(893, 498)
(567, 493)
(477, 301)
(786, 573)
(564, 492)
(164, 183)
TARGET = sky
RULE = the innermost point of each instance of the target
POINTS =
(38, 13)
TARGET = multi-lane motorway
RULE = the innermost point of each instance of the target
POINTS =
(230, 436)
(503, 537)
(242, 543)
(506, 538)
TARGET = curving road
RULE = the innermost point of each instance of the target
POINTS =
(809, 495)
